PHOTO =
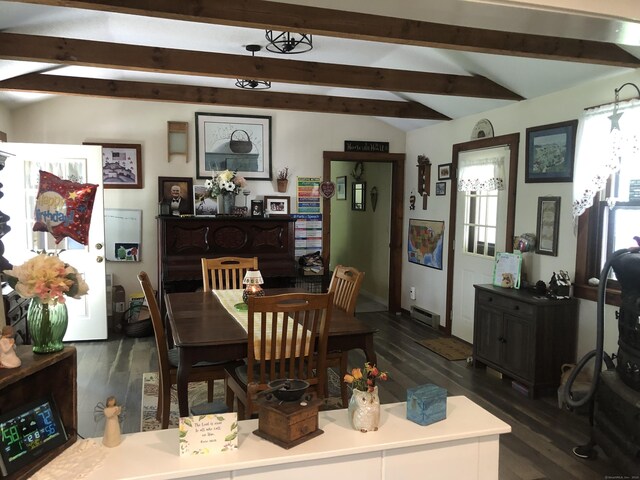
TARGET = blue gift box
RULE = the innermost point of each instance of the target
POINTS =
(426, 404)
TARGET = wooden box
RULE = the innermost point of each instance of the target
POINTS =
(426, 404)
(288, 424)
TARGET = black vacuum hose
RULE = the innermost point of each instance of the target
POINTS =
(599, 350)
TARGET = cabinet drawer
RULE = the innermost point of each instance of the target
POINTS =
(512, 306)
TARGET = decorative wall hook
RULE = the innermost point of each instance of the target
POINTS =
(615, 116)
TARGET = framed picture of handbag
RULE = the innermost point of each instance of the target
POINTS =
(233, 142)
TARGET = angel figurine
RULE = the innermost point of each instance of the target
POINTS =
(111, 413)
(8, 356)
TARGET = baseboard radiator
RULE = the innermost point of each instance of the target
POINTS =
(425, 316)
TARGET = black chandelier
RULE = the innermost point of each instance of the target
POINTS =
(253, 84)
(286, 42)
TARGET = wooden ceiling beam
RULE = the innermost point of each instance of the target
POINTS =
(57, 84)
(67, 51)
(337, 23)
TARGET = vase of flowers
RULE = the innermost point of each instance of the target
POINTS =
(46, 280)
(224, 187)
(364, 405)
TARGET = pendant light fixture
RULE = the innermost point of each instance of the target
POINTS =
(287, 43)
(250, 84)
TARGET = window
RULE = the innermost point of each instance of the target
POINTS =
(480, 222)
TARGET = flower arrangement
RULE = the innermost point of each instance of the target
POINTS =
(46, 278)
(283, 173)
(365, 382)
(225, 182)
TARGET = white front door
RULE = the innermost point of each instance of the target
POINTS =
(83, 164)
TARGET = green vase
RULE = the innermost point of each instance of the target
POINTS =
(47, 325)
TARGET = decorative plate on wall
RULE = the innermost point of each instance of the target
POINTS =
(482, 129)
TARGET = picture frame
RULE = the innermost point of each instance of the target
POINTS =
(550, 152)
(341, 188)
(548, 226)
(166, 188)
(121, 164)
(441, 188)
(257, 208)
(240, 143)
(277, 206)
(425, 242)
(444, 171)
(203, 204)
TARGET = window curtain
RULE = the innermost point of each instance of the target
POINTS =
(482, 170)
(608, 137)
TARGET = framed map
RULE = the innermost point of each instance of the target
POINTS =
(426, 238)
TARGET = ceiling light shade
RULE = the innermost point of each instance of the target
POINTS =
(286, 42)
(251, 84)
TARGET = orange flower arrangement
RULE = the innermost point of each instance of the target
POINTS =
(365, 382)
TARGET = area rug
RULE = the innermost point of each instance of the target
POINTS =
(448, 347)
(198, 395)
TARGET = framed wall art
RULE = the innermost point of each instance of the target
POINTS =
(277, 206)
(175, 195)
(550, 152)
(424, 245)
(548, 225)
(121, 164)
(441, 188)
(257, 208)
(233, 142)
(444, 171)
(341, 188)
(204, 205)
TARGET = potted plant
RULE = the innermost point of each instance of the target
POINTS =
(283, 179)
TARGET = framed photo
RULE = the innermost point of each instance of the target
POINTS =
(341, 188)
(548, 225)
(175, 195)
(121, 164)
(204, 205)
(441, 188)
(257, 208)
(444, 171)
(233, 142)
(277, 206)
(426, 238)
(550, 152)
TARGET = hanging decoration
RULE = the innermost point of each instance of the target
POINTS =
(327, 189)
(424, 179)
(374, 198)
(63, 208)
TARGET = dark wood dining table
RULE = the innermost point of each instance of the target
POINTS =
(203, 330)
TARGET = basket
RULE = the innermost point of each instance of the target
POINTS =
(137, 322)
(240, 146)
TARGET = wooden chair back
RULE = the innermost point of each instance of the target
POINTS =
(226, 273)
(345, 286)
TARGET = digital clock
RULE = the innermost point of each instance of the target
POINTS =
(28, 432)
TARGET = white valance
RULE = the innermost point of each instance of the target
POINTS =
(602, 149)
(482, 170)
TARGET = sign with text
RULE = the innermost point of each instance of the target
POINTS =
(358, 146)
(308, 194)
(206, 434)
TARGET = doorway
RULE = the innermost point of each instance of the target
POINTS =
(397, 161)
(511, 142)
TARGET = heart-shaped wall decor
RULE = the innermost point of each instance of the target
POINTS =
(328, 189)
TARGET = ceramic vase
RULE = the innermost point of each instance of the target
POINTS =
(47, 325)
(226, 203)
(364, 410)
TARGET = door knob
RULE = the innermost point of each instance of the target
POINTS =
(99, 246)
(99, 259)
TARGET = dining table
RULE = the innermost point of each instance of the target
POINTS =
(204, 330)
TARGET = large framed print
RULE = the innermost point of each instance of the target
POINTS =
(121, 164)
(550, 152)
(426, 238)
(233, 142)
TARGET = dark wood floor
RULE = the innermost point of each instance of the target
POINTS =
(539, 446)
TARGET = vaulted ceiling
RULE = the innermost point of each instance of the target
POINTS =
(411, 63)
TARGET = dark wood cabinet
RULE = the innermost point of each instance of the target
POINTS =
(183, 241)
(524, 336)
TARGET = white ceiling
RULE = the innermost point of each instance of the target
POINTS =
(526, 76)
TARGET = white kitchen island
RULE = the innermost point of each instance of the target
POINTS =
(463, 446)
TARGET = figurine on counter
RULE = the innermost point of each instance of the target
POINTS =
(112, 412)
(8, 356)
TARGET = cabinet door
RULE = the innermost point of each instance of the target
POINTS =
(488, 334)
(519, 351)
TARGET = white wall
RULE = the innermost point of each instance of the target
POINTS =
(298, 140)
(5, 121)
(436, 141)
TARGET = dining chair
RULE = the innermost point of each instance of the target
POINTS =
(169, 359)
(282, 332)
(226, 273)
(345, 286)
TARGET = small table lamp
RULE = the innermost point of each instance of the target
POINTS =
(253, 280)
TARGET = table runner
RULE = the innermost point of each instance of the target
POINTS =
(229, 298)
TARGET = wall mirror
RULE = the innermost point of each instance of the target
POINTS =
(358, 196)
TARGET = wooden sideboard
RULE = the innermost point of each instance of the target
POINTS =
(183, 241)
